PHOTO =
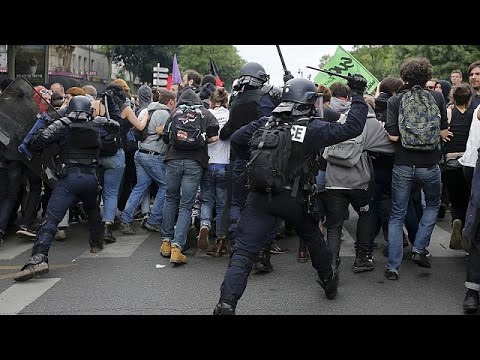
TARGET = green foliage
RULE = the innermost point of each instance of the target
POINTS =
(323, 60)
(197, 57)
(385, 60)
(140, 59)
(444, 58)
(378, 59)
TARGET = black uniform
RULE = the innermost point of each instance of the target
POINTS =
(78, 137)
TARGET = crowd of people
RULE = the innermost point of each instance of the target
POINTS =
(184, 162)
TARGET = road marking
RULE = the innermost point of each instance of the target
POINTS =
(19, 295)
(124, 247)
(439, 242)
(18, 267)
(11, 250)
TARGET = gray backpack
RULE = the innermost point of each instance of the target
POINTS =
(348, 152)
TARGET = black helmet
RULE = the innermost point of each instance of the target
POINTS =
(79, 108)
(300, 91)
(253, 74)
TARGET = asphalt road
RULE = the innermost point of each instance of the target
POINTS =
(130, 277)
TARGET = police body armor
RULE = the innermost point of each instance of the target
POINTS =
(82, 148)
(245, 107)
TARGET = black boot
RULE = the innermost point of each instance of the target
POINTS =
(35, 266)
(329, 283)
(470, 304)
(363, 262)
(107, 233)
(223, 308)
(263, 263)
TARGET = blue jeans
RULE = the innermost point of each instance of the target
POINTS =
(149, 167)
(403, 178)
(183, 180)
(213, 194)
(112, 178)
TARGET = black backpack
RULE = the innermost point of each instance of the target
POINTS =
(110, 143)
(186, 128)
(270, 168)
(143, 134)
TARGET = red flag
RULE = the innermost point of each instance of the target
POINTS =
(214, 72)
(169, 82)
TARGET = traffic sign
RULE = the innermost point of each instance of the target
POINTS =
(160, 69)
(159, 82)
(160, 75)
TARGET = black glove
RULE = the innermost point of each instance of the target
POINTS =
(288, 75)
(357, 83)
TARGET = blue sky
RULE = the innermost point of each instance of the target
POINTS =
(296, 57)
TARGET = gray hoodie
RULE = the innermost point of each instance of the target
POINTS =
(358, 176)
(154, 142)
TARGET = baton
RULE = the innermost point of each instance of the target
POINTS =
(281, 59)
(346, 77)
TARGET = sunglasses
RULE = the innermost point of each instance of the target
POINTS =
(46, 92)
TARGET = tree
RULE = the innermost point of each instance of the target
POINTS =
(140, 59)
(378, 59)
(323, 60)
(226, 58)
(444, 58)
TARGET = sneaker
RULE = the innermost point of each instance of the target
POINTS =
(391, 274)
(176, 256)
(465, 241)
(107, 233)
(36, 265)
(150, 227)
(456, 237)
(96, 247)
(276, 249)
(138, 216)
(329, 284)
(60, 235)
(144, 221)
(126, 229)
(470, 304)
(421, 260)
(26, 232)
(202, 242)
(166, 248)
(363, 262)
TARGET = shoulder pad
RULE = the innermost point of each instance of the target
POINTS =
(64, 120)
(273, 91)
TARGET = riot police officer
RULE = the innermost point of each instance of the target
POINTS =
(258, 217)
(252, 99)
(78, 138)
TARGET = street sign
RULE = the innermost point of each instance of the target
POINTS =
(159, 82)
(160, 69)
(160, 75)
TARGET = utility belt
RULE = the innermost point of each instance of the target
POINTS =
(309, 193)
(64, 169)
(149, 152)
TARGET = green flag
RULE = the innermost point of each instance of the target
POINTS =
(342, 63)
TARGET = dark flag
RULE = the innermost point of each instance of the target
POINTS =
(214, 72)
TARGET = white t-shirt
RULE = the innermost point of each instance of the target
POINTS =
(219, 151)
(469, 158)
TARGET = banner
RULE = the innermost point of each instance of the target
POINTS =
(31, 62)
(343, 63)
(214, 72)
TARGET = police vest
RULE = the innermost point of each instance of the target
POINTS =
(83, 145)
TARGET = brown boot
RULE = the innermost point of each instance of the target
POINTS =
(219, 248)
